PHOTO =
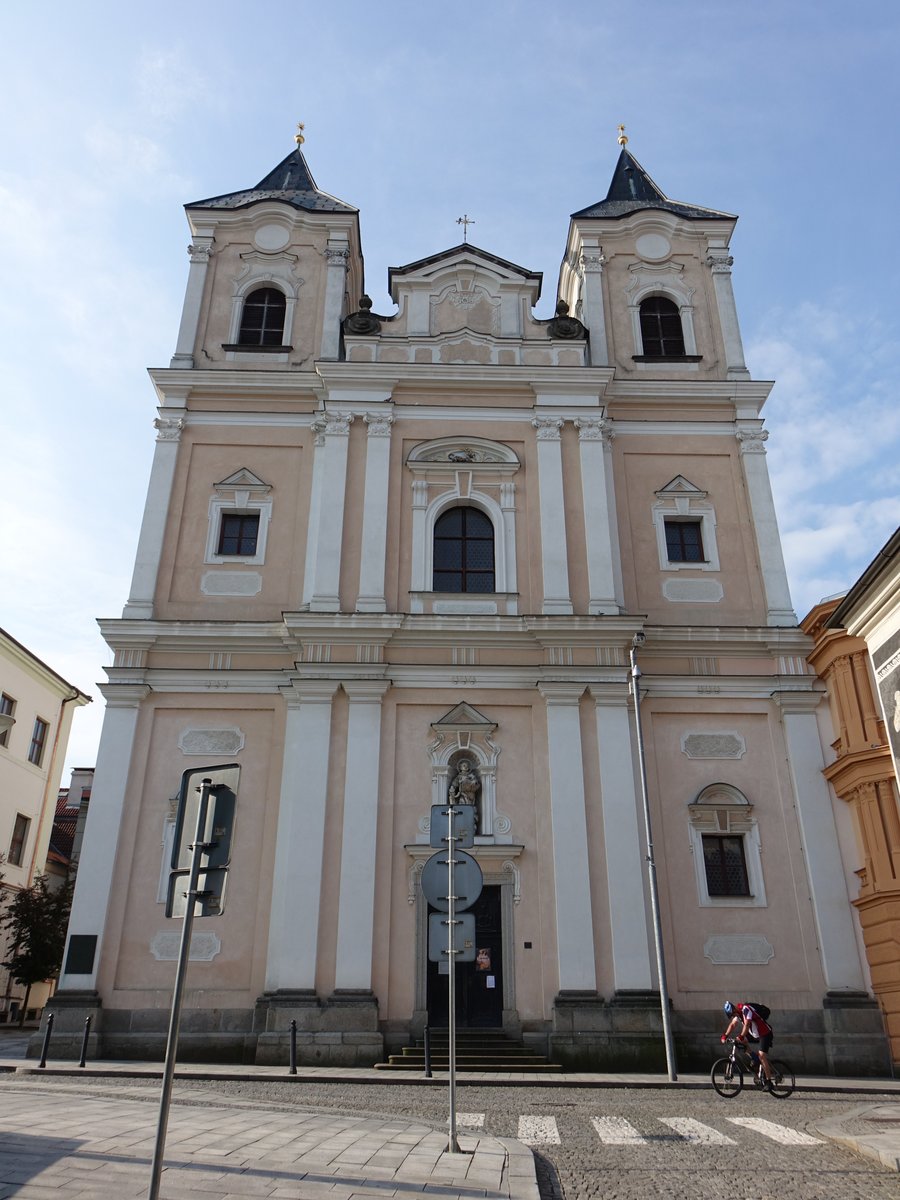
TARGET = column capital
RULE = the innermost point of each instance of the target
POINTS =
(548, 428)
(720, 262)
(337, 257)
(592, 262)
(594, 429)
(201, 250)
(169, 428)
(555, 693)
(752, 441)
(612, 695)
(333, 424)
(378, 424)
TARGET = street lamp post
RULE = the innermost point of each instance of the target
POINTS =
(636, 641)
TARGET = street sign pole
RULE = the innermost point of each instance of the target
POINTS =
(175, 1019)
(452, 1145)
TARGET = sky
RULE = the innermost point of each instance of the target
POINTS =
(115, 116)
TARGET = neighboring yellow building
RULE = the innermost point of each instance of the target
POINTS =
(857, 654)
(32, 751)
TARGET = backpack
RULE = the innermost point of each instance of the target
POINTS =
(763, 1009)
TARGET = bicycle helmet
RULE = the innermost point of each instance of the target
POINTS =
(729, 1008)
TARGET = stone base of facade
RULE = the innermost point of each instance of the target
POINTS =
(843, 1037)
(339, 1031)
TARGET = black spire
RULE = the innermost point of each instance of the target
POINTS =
(632, 189)
(291, 182)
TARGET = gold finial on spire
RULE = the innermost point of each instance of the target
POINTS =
(298, 136)
(622, 139)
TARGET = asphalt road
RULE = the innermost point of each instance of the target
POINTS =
(618, 1144)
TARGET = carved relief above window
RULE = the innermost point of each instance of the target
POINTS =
(726, 848)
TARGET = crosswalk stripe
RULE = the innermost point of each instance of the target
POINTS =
(697, 1132)
(470, 1120)
(778, 1133)
(616, 1131)
(538, 1131)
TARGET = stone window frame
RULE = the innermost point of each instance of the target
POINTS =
(493, 465)
(724, 810)
(260, 271)
(240, 494)
(682, 500)
(665, 280)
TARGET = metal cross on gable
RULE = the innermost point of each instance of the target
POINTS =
(465, 220)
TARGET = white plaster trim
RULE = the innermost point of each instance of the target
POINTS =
(231, 583)
(682, 500)
(226, 740)
(722, 809)
(665, 279)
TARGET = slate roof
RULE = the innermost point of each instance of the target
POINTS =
(632, 190)
(421, 263)
(291, 182)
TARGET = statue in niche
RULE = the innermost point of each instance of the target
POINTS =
(465, 787)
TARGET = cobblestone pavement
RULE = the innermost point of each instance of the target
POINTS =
(619, 1144)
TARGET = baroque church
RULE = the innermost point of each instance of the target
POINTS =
(390, 559)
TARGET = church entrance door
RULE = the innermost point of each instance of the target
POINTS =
(479, 984)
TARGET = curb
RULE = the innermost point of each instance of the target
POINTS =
(883, 1147)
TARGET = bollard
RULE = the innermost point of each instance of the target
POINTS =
(47, 1033)
(293, 1070)
(427, 1052)
(84, 1040)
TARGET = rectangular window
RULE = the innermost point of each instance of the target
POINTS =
(7, 708)
(19, 838)
(38, 741)
(726, 866)
(684, 541)
(238, 534)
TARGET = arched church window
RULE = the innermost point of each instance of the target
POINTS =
(661, 332)
(262, 318)
(463, 551)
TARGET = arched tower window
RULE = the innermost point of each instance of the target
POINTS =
(661, 332)
(262, 318)
(463, 551)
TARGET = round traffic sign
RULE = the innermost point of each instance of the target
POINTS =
(467, 880)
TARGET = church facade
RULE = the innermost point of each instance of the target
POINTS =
(389, 559)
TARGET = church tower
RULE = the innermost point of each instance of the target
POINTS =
(387, 559)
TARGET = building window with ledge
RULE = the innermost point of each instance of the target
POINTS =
(262, 318)
(725, 844)
(684, 541)
(463, 551)
(238, 534)
(18, 841)
(38, 741)
(661, 332)
(7, 708)
(725, 865)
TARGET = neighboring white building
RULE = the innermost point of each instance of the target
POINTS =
(32, 753)
(378, 548)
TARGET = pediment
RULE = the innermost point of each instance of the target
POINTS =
(244, 479)
(462, 451)
(679, 486)
(464, 717)
(465, 259)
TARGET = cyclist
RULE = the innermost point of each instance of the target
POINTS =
(754, 1027)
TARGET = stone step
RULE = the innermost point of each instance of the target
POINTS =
(399, 1063)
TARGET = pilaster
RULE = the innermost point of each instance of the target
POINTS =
(632, 969)
(752, 439)
(297, 882)
(169, 425)
(828, 892)
(592, 310)
(200, 251)
(333, 428)
(374, 521)
(337, 256)
(600, 525)
(554, 557)
(93, 885)
(356, 907)
(571, 867)
(720, 263)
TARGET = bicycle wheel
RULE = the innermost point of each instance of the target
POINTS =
(727, 1077)
(782, 1079)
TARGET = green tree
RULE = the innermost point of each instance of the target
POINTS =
(36, 918)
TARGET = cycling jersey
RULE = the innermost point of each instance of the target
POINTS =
(757, 1028)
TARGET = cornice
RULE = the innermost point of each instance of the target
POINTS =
(874, 765)
(178, 384)
(31, 665)
(590, 381)
(732, 687)
(731, 639)
(261, 637)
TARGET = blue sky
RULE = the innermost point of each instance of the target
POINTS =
(115, 116)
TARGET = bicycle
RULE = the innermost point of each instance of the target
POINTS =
(727, 1074)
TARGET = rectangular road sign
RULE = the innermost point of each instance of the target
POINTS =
(219, 819)
(463, 825)
(439, 937)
